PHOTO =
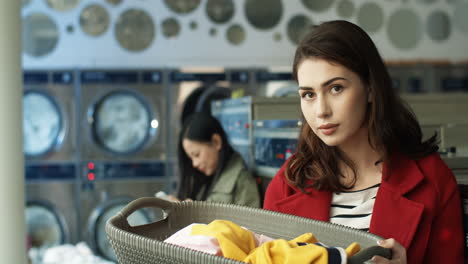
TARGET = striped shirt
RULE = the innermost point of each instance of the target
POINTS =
(354, 208)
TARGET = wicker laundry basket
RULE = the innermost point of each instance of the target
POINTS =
(144, 244)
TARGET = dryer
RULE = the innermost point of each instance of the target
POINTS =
(50, 158)
(275, 82)
(123, 146)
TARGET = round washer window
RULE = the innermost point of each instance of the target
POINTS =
(44, 226)
(122, 122)
(139, 217)
(42, 123)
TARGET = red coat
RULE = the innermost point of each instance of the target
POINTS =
(418, 204)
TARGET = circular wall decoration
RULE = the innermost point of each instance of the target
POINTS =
(318, 5)
(220, 11)
(235, 34)
(261, 17)
(170, 27)
(370, 17)
(135, 30)
(182, 6)
(298, 26)
(404, 29)
(438, 26)
(345, 8)
(62, 5)
(460, 16)
(40, 35)
(94, 20)
(114, 2)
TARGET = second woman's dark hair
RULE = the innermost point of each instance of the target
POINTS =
(200, 127)
(393, 127)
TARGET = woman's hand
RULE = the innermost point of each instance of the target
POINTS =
(398, 252)
(172, 198)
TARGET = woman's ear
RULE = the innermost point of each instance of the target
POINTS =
(216, 141)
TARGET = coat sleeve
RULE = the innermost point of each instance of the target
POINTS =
(276, 190)
(246, 190)
(446, 242)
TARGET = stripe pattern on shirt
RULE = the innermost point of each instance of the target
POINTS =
(354, 208)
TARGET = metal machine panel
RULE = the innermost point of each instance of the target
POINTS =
(58, 198)
(49, 135)
(237, 116)
(450, 78)
(124, 146)
(274, 142)
(104, 199)
(122, 115)
(411, 77)
(49, 116)
(275, 82)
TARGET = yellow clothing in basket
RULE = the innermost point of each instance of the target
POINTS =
(239, 244)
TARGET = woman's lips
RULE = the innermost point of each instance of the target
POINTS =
(328, 129)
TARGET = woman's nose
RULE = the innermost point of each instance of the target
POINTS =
(195, 163)
(323, 108)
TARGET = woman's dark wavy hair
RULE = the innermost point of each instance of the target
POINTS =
(200, 127)
(392, 125)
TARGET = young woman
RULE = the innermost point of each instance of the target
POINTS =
(360, 158)
(210, 169)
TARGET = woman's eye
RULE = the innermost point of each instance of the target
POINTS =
(307, 95)
(336, 88)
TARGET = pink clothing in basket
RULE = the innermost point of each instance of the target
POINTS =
(205, 244)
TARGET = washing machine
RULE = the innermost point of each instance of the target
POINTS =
(411, 77)
(49, 136)
(275, 82)
(123, 142)
(237, 116)
(450, 77)
(274, 142)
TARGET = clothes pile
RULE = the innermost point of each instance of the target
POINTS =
(227, 239)
(67, 254)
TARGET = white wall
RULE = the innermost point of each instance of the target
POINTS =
(197, 47)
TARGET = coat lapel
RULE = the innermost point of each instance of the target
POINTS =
(395, 216)
(315, 204)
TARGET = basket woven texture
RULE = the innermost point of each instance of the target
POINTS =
(144, 244)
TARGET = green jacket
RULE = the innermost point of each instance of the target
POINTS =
(235, 185)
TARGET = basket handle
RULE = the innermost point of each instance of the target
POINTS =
(143, 203)
(366, 254)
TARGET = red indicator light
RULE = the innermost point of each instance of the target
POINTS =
(280, 156)
(90, 165)
(91, 176)
(288, 151)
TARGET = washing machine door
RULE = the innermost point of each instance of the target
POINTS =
(43, 124)
(97, 224)
(46, 227)
(123, 122)
(200, 99)
(287, 91)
